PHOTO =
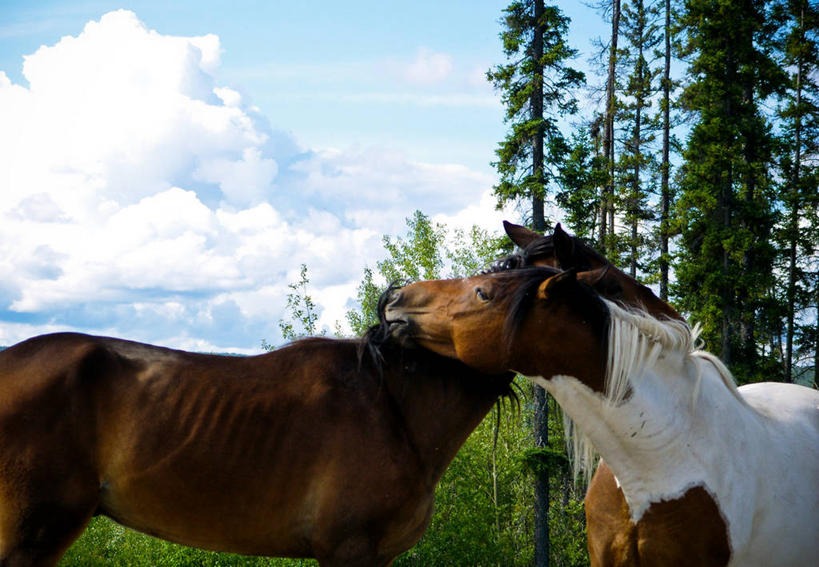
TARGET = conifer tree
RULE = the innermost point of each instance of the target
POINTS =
(799, 116)
(607, 199)
(537, 87)
(580, 179)
(725, 265)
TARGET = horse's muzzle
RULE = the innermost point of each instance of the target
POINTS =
(395, 316)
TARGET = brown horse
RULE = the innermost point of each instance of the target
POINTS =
(612, 537)
(712, 475)
(312, 450)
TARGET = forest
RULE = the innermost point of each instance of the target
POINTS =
(690, 159)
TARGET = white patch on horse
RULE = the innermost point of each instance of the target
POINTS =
(672, 419)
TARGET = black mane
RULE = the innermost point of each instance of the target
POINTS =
(544, 246)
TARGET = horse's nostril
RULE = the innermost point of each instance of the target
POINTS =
(395, 296)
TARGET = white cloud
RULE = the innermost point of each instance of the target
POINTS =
(429, 67)
(244, 181)
(143, 199)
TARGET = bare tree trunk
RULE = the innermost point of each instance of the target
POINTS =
(793, 227)
(538, 218)
(607, 217)
(636, 148)
(665, 190)
(541, 424)
(541, 480)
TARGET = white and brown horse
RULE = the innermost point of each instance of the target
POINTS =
(612, 537)
(308, 451)
(712, 475)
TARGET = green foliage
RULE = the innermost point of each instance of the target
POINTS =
(423, 253)
(484, 513)
(581, 176)
(303, 314)
(418, 256)
(637, 169)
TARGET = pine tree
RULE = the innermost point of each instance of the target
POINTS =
(726, 213)
(580, 179)
(537, 87)
(665, 164)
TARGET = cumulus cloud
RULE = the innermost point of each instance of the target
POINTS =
(142, 198)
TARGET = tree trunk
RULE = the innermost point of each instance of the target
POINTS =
(607, 201)
(541, 424)
(541, 480)
(538, 218)
(665, 190)
(793, 228)
(636, 148)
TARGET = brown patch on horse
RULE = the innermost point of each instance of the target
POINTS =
(672, 533)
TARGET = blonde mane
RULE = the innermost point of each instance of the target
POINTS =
(636, 341)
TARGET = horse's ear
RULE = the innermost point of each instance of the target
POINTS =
(557, 283)
(520, 235)
(603, 281)
(564, 248)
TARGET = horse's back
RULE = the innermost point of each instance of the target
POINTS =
(784, 475)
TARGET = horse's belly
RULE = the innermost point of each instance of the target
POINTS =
(206, 511)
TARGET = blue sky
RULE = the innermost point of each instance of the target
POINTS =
(170, 164)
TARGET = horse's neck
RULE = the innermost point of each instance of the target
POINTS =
(660, 441)
(439, 414)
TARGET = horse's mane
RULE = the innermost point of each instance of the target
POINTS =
(544, 246)
(636, 341)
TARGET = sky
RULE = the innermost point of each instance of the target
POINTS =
(166, 167)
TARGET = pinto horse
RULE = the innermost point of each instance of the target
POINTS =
(313, 450)
(712, 475)
(612, 537)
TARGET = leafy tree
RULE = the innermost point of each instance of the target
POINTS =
(414, 257)
(303, 314)
(423, 253)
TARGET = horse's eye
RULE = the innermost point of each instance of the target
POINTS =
(481, 294)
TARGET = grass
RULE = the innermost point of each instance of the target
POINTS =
(107, 544)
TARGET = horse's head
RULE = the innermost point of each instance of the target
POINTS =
(564, 251)
(526, 320)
